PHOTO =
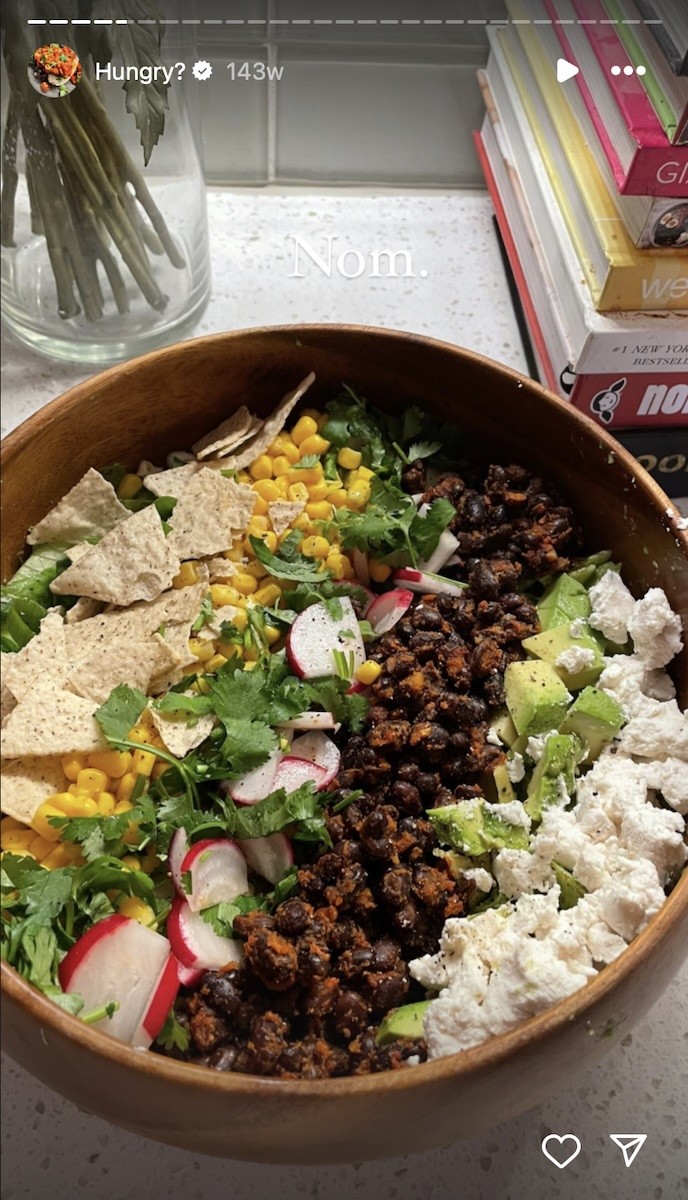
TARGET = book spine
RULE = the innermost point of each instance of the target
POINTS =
(619, 401)
(662, 452)
(638, 58)
(637, 352)
(656, 172)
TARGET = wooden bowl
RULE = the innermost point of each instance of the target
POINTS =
(161, 402)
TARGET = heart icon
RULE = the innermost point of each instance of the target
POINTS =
(561, 1148)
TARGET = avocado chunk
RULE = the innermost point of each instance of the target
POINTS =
(474, 829)
(591, 569)
(571, 890)
(596, 718)
(404, 1022)
(536, 696)
(497, 785)
(503, 726)
(555, 771)
(561, 648)
(565, 600)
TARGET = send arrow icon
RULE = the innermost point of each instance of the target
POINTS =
(629, 1144)
(565, 70)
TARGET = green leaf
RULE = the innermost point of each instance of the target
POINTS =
(177, 703)
(120, 712)
(173, 1036)
(423, 450)
(309, 460)
(138, 45)
(274, 813)
(425, 531)
(247, 745)
(100, 836)
(221, 916)
(44, 893)
(297, 567)
(205, 614)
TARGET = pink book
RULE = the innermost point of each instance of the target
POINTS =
(644, 163)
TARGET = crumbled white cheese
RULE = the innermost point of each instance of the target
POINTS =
(496, 969)
(482, 879)
(612, 607)
(575, 659)
(493, 738)
(535, 746)
(655, 629)
(577, 628)
(513, 813)
(515, 767)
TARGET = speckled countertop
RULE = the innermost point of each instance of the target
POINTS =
(459, 294)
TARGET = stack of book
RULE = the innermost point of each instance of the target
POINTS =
(589, 180)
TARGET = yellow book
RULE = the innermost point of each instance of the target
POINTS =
(618, 274)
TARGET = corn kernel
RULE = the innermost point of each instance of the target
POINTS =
(124, 789)
(137, 910)
(258, 526)
(72, 764)
(159, 769)
(40, 847)
(235, 554)
(92, 780)
(270, 540)
(114, 763)
(365, 473)
(280, 465)
(8, 823)
(291, 452)
(312, 412)
(245, 584)
(132, 835)
(128, 486)
(315, 547)
(222, 594)
(379, 571)
(272, 635)
(137, 734)
(260, 506)
(338, 498)
(124, 805)
(359, 494)
(106, 803)
(243, 477)
(72, 805)
(267, 489)
(143, 761)
(201, 648)
(17, 840)
(268, 595)
(346, 568)
(307, 475)
(315, 444)
(349, 459)
(277, 445)
(368, 672)
(214, 663)
(261, 468)
(228, 650)
(249, 666)
(319, 491)
(251, 654)
(256, 569)
(240, 620)
(335, 564)
(202, 687)
(320, 510)
(305, 427)
(298, 492)
(186, 575)
(41, 824)
(150, 859)
(301, 522)
(131, 861)
(64, 855)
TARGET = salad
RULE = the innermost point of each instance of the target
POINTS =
(325, 748)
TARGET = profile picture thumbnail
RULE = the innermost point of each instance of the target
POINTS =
(54, 70)
(671, 229)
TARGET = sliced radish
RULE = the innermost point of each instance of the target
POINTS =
(359, 561)
(195, 942)
(257, 784)
(428, 583)
(389, 608)
(120, 959)
(270, 857)
(443, 551)
(179, 846)
(293, 772)
(315, 635)
(310, 720)
(218, 873)
(164, 996)
(321, 750)
(188, 976)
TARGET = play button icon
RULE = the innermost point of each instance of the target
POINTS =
(565, 70)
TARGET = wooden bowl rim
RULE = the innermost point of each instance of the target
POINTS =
(465, 1063)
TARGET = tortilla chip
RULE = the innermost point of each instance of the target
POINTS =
(271, 427)
(7, 700)
(176, 639)
(133, 562)
(213, 625)
(27, 782)
(51, 720)
(74, 553)
(220, 568)
(178, 736)
(211, 512)
(84, 608)
(173, 482)
(124, 661)
(230, 434)
(90, 509)
(135, 623)
(283, 512)
(44, 657)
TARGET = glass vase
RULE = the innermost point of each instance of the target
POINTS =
(104, 224)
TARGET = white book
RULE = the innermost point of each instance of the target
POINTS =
(597, 343)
